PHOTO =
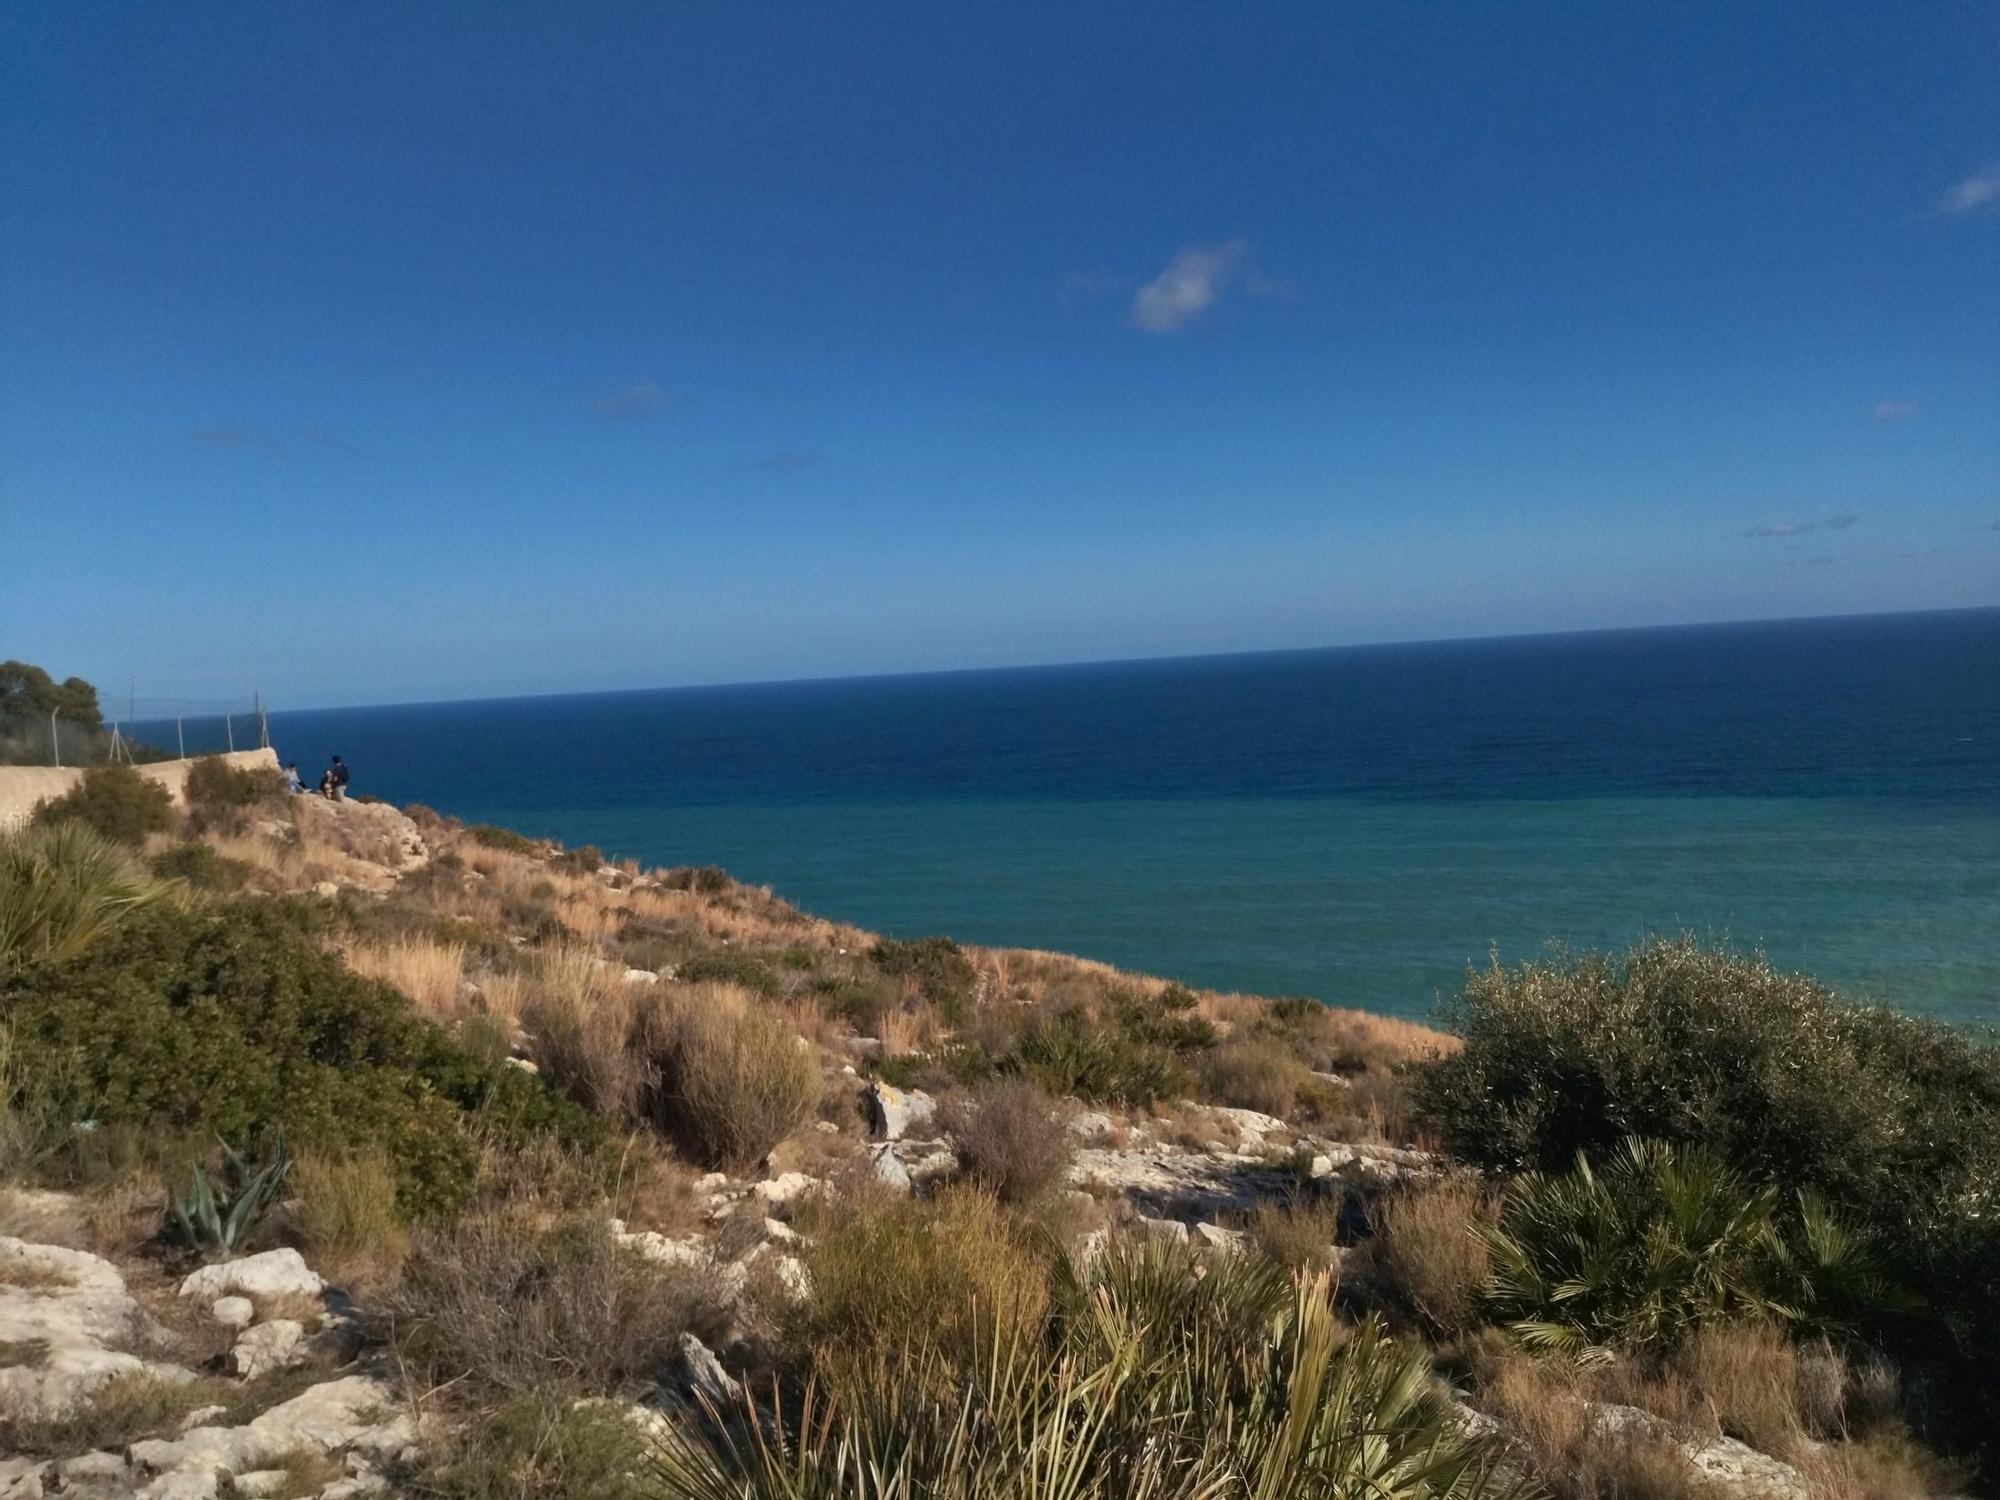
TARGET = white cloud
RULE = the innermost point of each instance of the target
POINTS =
(1191, 283)
(1980, 190)
(1894, 411)
(634, 401)
(1799, 528)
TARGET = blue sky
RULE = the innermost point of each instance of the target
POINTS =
(368, 353)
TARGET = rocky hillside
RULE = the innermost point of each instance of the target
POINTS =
(549, 1175)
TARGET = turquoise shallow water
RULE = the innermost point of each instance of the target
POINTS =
(1384, 905)
(1357, 825)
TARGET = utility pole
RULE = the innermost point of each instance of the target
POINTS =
(55, 741)
(180, 738)
(229, 728)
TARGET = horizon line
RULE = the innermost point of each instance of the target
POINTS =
(1179, 656)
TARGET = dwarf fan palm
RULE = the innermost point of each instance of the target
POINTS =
(62, 886)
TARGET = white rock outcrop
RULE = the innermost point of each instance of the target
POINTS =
(69, 1317)
(275, 1273)
(893, 1111)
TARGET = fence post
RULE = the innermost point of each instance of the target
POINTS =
(55, 741)
(229, 728)
(180, 739)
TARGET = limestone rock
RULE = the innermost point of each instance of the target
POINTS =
(1173, 1231)
(73, 1310)
(1215, 1237)
(1731, 1466)
(641, 976)
(1091, 1127)
(276, 1345)
(785, 1187)
(356, 1414)
(706, 1377)
(275, 1273)
(1162, 1180)
(893, 1111)
(234, 1312)
(890, 1169)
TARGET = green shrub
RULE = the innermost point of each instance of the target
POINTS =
(236, 1025)
(201, 867)
(705, 880)
(728, 1081)
(220, 795)
(531, 1449)
(1661, 1242)
(584, 859)
(937, 967)
(1167, 1019)
(1071, 1053)
(62, 887)
(504, 839)
(117, 801)
(862, 1003)
(1894, 1121)
(729, 966)
(891, 1274)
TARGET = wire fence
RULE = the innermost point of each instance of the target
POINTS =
(134, 730)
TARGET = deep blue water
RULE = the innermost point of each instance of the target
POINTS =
(1356, 824)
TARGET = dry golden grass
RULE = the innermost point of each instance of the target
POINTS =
(346, 1216)
(915, 1028)
(1543, 1407)
(428, 972)
(1428, 1251)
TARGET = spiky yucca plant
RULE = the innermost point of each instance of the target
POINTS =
(1154, 1381)
(1660, 1241)
(216, 1214)
(62, 886)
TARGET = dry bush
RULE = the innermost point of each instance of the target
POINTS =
(581, 1020)
(1298, 1236)
(893, 1274)
(506, 996)
(1382, 1103)
(1745, 1380)
(1428, 1250)
(1257, 1073)
(512, 1304)
(429, 973)
(345, 1214)
(1011, 1138)
(1542, 1406)
(1886, 1466)
(725, 1078)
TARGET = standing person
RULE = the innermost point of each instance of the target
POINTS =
(292, 783)
(339, 774)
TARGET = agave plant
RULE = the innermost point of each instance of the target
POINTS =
(62, 886)
(1155, 1382)
(1658, 1242)
(215, 1217)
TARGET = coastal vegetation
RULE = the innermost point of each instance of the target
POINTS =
(643, 1182)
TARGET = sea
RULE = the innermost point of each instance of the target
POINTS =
(1360, 825)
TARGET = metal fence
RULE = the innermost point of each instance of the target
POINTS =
(135, 730)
